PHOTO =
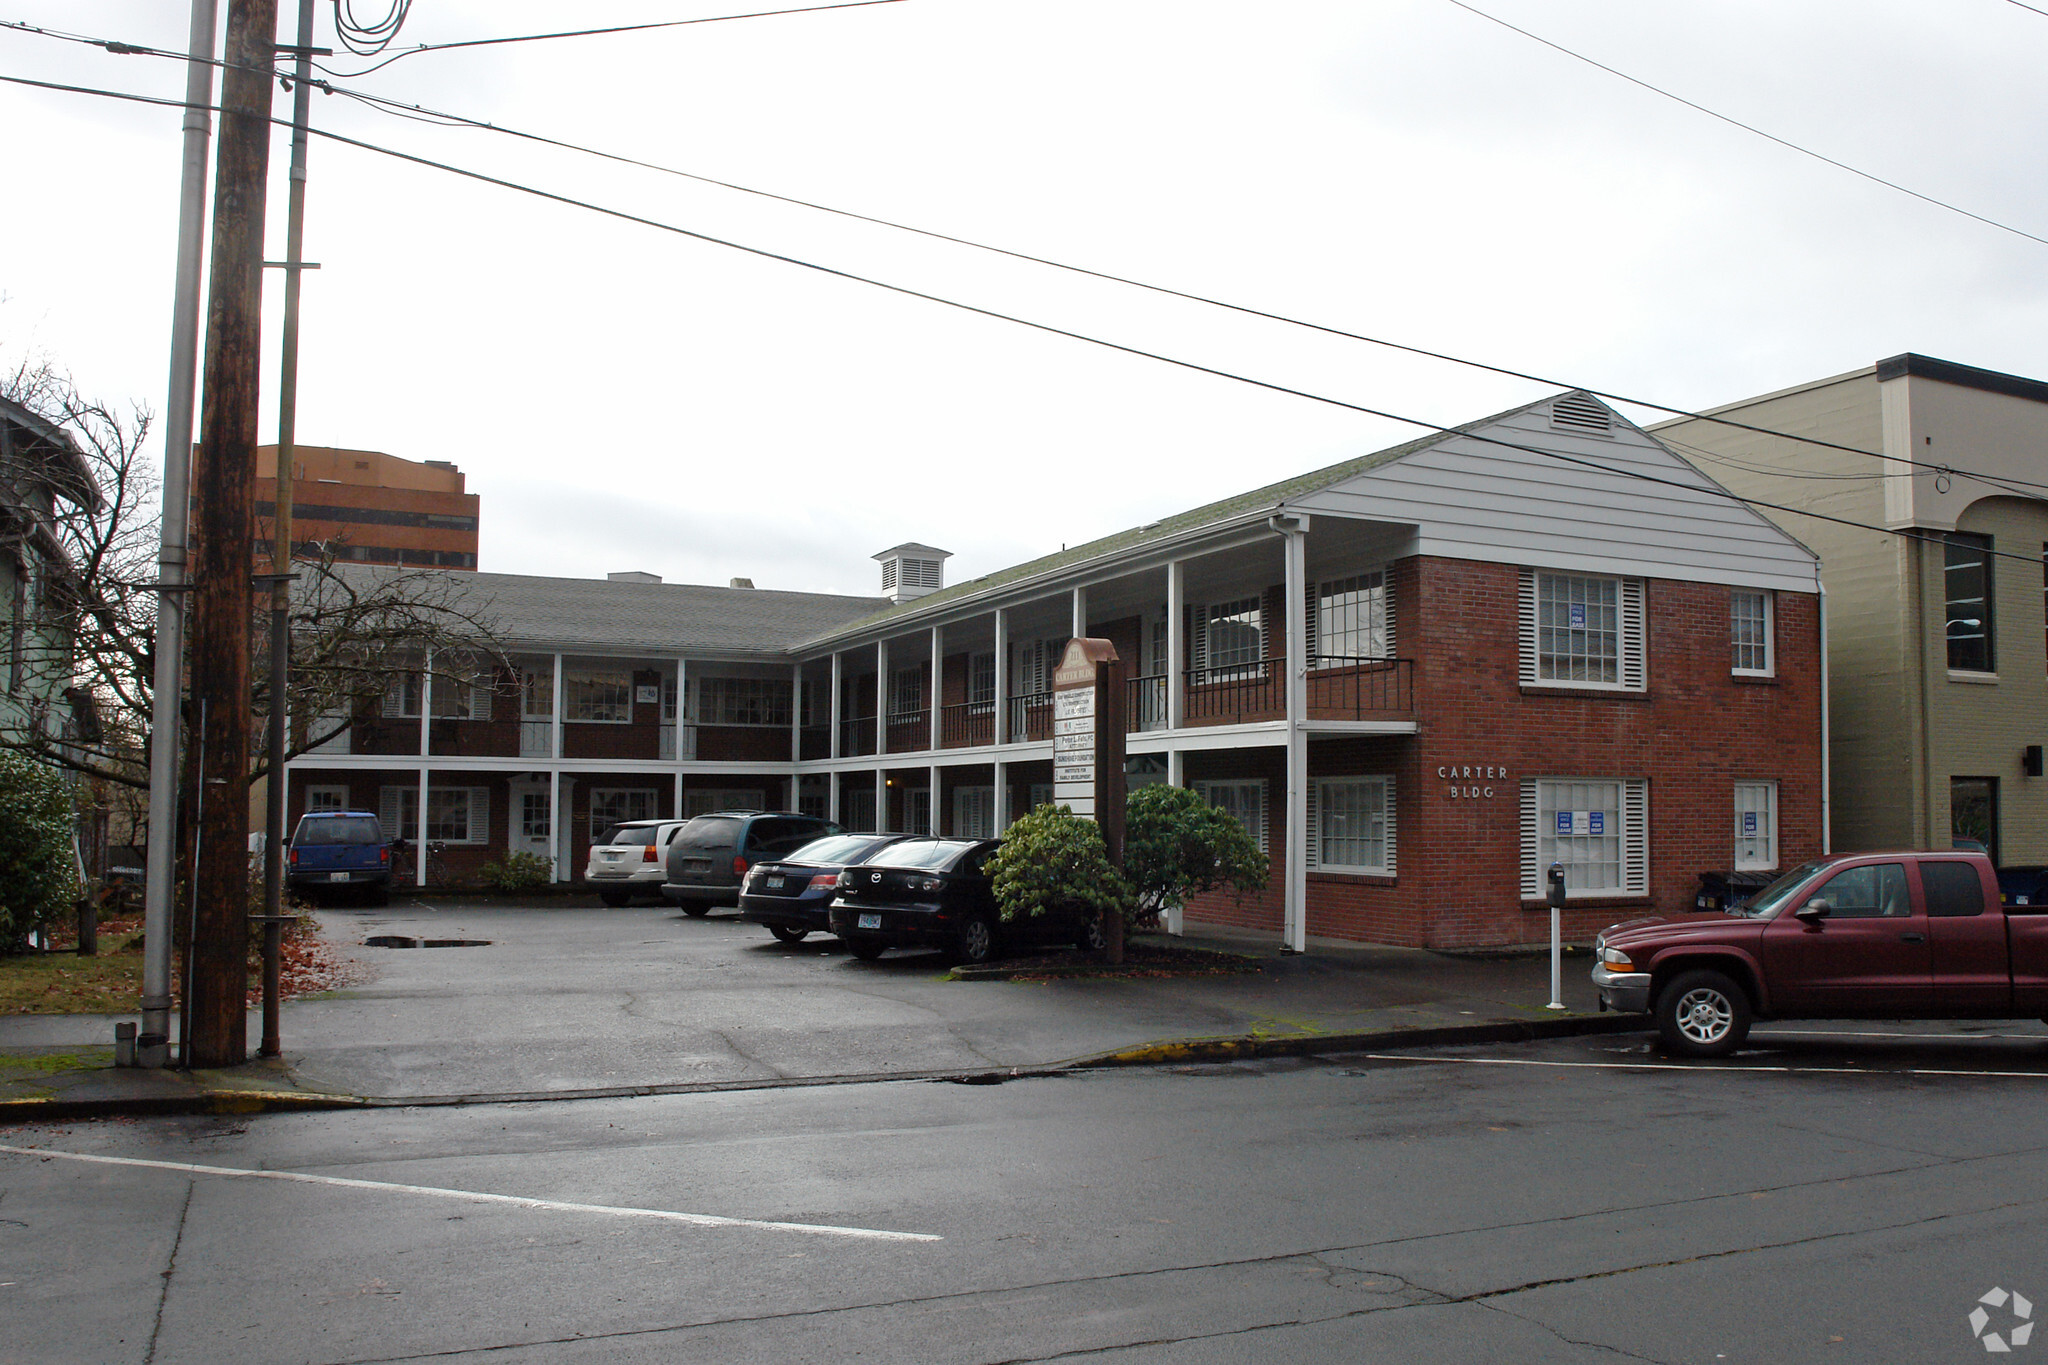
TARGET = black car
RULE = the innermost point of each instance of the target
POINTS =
(790, 895)
(935, 893)
(708, 857)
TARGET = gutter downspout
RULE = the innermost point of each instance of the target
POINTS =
(1827, 809)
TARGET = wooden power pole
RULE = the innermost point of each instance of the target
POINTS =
(225, 525)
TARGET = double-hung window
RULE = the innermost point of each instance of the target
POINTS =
(974, 812)
(1350, 621)
(615, 805)
(1597, 828)
(455, 815)
(1756, 826)
(603, 696)
(402, 695)
(1580, 630)
(323, 796)
(1966, 575)
(745, 701)
(1749, 633)
(1229, 640)
(906, 695)
(1351, 824)
(981, 680)
(1243, 801)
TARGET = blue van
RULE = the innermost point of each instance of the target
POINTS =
(340, 851)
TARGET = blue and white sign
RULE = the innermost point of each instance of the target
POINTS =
(1576, 615)
(1564, 821)
(1596, 822)
(1749, 822)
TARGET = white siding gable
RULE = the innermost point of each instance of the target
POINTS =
(1477, 496)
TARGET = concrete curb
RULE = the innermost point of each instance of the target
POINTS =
(1182, 1050)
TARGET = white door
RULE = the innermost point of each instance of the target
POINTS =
(529, 829)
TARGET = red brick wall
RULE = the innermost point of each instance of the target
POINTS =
(1694, 733)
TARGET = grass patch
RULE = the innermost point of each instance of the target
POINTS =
(64, 983)
(50, 1063)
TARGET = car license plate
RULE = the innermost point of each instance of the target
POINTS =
(771, 881)
(869, 922)
(337, 876)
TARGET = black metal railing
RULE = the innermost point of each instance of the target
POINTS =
(1031, 717)
(815, 742)
(1145, 703)
(1345, 687)
(1239, 692)
(856, 736)
(910, 731)
(966, 725)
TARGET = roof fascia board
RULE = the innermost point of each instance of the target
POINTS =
(1912, 366)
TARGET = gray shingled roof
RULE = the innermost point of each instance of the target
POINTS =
(598, 613)
(1215, 513)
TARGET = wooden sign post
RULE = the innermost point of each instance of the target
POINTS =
(1088, 749)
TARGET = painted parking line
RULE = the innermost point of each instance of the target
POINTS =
(702, 1220)
(1697, 1066)
(1872, 1033)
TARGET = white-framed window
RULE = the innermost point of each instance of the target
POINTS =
(745, 701)
(981, 679)
(326, 796)
(461, 698)
(1032, 664)
(537, 692)
(1244, 801)
(1749, 632)
(611, 805)
(1228, 639)
(1756, 826)
(1581, 630)
(402, 695)
(668, 700)
(1351, 824)
(906, 694)
(1348, 619)
(455, 815)
(704, 800)
(533, 816)
(601, 696)
(1598, 828)
(974, 812)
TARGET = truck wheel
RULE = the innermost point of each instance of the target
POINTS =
(788, 933)
(1703, 1014)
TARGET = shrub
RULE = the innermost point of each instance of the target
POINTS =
(38, 870)
(1052, 858)
(517, 872)
(1176, 844)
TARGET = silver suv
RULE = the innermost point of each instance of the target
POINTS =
(710, 855)
(631, 859)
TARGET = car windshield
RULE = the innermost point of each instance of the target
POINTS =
(840, 848)
(630, 834)
(342, 829)
(928, 855)
(1767, 902)
(708, 831)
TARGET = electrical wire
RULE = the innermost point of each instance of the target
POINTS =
(1749, 127)
(2029, 8)
(367, 40)
(592, 32)
(421, 114)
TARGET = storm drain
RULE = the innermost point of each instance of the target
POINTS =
(401, 941)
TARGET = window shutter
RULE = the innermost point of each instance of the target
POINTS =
(480, 701)
(1313, 803)
(1528, 634)
(1198, 639)
(479, 815)
(1388, 650)
(1387, 816)
(1635, 836)
(1632, 634)
(1309, 610)
(1532, 875)
(388, 813)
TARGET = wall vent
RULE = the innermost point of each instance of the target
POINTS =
(1578, 412)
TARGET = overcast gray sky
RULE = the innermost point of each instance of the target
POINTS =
(626, 398)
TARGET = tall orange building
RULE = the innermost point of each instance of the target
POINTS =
(372, 507)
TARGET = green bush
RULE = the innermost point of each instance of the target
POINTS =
(1052, 858)
(1177, 844)
(517, 872)
(38, 871)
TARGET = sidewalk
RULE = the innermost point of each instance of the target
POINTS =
(558, 1002)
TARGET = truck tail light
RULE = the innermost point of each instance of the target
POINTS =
(293, 855)
(739, 867)
(647, 854)
(383, 855)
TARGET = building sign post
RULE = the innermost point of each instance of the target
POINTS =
(1088, 748)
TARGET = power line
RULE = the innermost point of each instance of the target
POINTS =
(594, 32)
(421, 114)
(1711, 489)
(367, 40)
(2029, 8)
(1750, 127)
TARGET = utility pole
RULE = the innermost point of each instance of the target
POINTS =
(215, 992)
(280, 574)
(160, 874)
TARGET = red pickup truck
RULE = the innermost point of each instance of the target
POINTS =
(1914, 935)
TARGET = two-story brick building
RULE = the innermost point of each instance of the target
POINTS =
(1419, 677)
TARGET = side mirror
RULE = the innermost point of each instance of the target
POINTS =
(1813, 911)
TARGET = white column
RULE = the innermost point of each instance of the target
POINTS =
(1176, 622)
(1295, 916)
(555, 720)
(796, 724)
(938, 821)
(881, 699)
(832, 797)
(1080, 612)
(678, 806)
(882, 801)
(683, 749)
(1176, 776)
(938, 663)
(419, 848)
(834, 750)
(1002, 810)
(426, 703)
(1002, 729)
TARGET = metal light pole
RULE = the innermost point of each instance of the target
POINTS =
(159, 890)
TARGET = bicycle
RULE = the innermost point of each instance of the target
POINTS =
(407, 874)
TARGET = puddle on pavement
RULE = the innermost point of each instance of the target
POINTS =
(403, 941)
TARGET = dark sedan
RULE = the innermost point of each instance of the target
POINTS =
(935, 893)
(791, 895)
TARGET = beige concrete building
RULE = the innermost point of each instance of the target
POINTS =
(371, 508)
(1937, 636)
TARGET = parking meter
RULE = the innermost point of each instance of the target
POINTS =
(1556, 885)
(1556, 878)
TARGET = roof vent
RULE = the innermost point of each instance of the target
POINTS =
(1581, 412)
(741, 583)
(912, 570)
(632, 576)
